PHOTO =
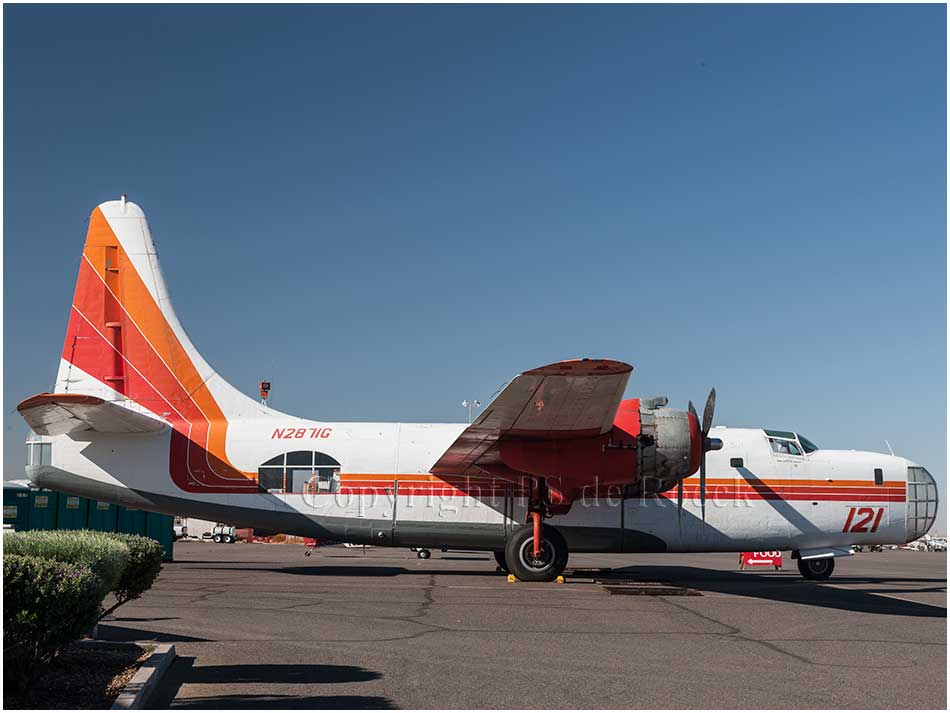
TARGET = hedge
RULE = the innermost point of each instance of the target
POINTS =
(145, 562)
(46, 604)
(101, 552)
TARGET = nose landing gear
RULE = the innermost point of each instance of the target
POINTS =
(816, 569)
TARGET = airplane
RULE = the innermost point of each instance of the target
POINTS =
(558, 462)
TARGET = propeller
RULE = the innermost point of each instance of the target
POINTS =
(708, 444)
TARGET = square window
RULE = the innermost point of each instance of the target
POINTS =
(270, 478)
(300, 458)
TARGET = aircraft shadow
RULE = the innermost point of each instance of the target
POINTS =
(773, 587)
(792, 590)
(357, 571)
(111, 632)
(183, 671)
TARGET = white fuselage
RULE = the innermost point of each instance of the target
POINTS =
(381, 491)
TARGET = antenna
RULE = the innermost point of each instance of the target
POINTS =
(264, 386)
(470, 405)
(889, 447)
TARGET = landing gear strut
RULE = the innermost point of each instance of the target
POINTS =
(536, 552)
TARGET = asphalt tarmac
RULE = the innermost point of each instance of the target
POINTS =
(263, 626)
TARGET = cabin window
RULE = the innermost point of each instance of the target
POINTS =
(807, 445)
(300, 472)
(39, 453)
(879, 476)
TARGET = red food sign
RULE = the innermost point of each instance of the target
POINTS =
(761, 559)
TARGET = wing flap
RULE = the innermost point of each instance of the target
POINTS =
(56, 414)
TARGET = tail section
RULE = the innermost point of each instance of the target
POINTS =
(125, 344)
(120, 300)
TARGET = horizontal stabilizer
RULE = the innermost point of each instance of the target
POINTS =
(55, 414)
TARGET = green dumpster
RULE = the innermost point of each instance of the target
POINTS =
(71, 512)
(16, 506)
(43, 505)
(161, 528)
(101, 516)
(131, 520)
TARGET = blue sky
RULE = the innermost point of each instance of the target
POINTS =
(386, 210)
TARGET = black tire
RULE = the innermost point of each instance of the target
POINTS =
(216, 539)
(520, 561)
(500, 559)
(229, 539)
(423, 554)
(817, 570)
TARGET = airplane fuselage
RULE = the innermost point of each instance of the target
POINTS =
(380, 492)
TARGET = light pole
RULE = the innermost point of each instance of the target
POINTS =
(469, 404)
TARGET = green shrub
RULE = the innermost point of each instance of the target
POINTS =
(145, 562)
(105, 555)
(46, 604)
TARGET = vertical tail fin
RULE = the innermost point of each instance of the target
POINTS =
(123, 333)
(125, 343)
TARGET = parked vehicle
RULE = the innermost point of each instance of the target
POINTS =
(223, 534)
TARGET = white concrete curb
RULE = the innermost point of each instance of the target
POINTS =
(137, 691)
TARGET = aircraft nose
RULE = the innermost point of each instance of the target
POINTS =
(921, 502)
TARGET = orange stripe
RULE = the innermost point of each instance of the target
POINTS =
(132, 294)
(802, 481)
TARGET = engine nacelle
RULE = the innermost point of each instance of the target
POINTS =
(668, 441)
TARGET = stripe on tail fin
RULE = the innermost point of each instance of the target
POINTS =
(124, 343)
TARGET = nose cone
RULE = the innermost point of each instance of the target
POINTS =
(921, 502)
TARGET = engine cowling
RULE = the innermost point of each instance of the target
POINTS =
(669, 442)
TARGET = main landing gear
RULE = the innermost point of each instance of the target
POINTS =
(535, 552)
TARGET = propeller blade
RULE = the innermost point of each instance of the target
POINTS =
(679, 501)
(692, 410)
(709, 411)
(702, 483)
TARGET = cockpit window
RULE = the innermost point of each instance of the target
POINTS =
(780, 434)
(807, 445)
(782, 447)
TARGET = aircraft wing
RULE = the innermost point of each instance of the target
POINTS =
(569, 399)
(55, 414)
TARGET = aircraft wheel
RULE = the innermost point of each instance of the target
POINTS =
(216, 539)
(500, 559)
(423, 554)
(818, 569)
(547, 566)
